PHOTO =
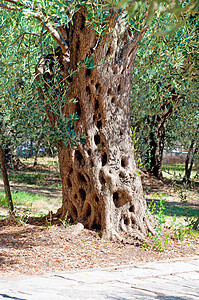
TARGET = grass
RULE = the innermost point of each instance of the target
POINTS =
(46, 161)
(28, 178)
(22, 198)
(45, 174)
(177, 171)
(175, 219)
(179, 210)
(29, 203)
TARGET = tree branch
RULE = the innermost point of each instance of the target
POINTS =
(24, 33)
(43, 20)
(18, 4)
(4, 6)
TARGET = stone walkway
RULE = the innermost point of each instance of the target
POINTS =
(175, 279)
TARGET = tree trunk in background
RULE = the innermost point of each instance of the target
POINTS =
(38, 148)
(195, 226)
(100, 183)
(193, 150)
(6, 180)
(157, 140)
(157, 135)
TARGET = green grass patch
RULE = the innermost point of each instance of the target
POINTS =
(22, 198)
(29, 204)
(45, 174)
(180, 210)
(177, 171)
(46, 161)
(171, 209)
(28, 178)
(174, 218)
(173, 167)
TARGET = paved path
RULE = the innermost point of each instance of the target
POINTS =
(176, 279)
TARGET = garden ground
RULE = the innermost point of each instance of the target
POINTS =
(32, 245)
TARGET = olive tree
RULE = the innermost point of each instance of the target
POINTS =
(163, 91)
(97, 48)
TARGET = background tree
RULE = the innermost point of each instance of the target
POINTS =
(4, 168)
(164, 92)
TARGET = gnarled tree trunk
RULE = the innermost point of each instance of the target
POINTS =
(157, 139)
(191, 155)
(100, 183)
(6, 181)
(158, 126)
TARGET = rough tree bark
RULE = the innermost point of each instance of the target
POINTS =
(40, 137)
(190, 159)
(191, 155)
(6, 180)
(156, 146)
(157, 135)
(100, 183)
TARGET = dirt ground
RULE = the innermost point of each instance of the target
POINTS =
(34, 249)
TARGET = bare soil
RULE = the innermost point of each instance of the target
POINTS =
(37, 249)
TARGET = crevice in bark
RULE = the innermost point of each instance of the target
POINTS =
(69, 184)
(98, 87)
(82, 194)
(73, 212)
(78, 157)
(81, 178)
(96, 104)
(101, 178)
(78, 109)
(124, 162)
(132, 208)
(109, 92)
(97, 139)
(113, 100)
(119, 89)
(88, 90)
(88, 72)
(104, 159)
(109, 51)
(99, 124)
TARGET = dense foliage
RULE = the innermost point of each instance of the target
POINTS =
(166, 66)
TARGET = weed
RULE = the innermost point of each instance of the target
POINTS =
(3, 200)
(22, 219)
(155, 241)
(49, 219)
(181, 230)
(166, 238)
(66, 221)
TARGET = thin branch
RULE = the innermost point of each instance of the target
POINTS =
(40, 17)
(57, 37)
(41, 36)
(32, 7)
(10, 7)
(24, 33)
(17, 3)
(34, 15)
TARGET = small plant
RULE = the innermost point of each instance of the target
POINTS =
(156, 208)
(166, 238)
(22, 219)
(3, 201)
(49, 219)
(66, 221)
(180, 230)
